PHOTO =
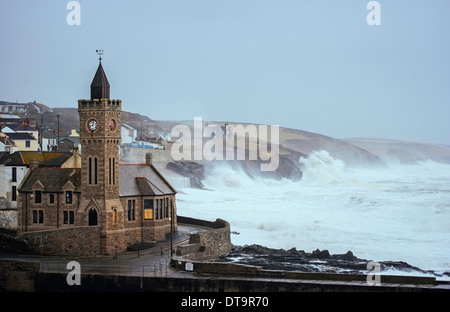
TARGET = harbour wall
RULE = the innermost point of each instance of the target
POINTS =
(20, 276)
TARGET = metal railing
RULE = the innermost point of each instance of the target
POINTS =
(158, 268)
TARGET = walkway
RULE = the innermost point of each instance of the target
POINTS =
(153, 261)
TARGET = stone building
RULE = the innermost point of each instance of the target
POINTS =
(104, 206)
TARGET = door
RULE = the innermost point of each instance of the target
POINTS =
(92, 217)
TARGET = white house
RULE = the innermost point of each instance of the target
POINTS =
(12, 171)
(129, 134)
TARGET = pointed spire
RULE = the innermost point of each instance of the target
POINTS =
(100, 84)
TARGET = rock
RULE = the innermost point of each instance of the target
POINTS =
(347, 256)
(287, 169)
(316, 261)
(324, 254)
(190, 169)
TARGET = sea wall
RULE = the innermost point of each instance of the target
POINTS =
(210, 244)
(250, 271)
(56, 282)
(19, 276)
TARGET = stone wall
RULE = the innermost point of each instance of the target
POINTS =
(8, 218)
(79, 241)
(249, 271)
(57, 282)
(19, 276)
(207, 245)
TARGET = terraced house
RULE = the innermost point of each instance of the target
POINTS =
(100, 206)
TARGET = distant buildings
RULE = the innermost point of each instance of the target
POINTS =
(129, 134)
(14, 167)
(22, 136)
(13, 108)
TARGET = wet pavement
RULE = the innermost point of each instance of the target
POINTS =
(151, 261)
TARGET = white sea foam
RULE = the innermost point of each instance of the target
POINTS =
(399, 213)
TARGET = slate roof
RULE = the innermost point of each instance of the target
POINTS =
(100, 85)
(14, 159)
(21, 136)
(46, 159)
(142, 179)
(23, 127)
(53, 179)
(134, 180)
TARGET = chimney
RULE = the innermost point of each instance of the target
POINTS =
(74, 150)
(34, 164)
(149, 159)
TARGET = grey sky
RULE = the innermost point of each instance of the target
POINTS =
(312, 65)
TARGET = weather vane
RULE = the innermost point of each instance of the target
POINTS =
(99, 53)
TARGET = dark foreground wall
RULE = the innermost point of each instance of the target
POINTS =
(56, 282)
(18, 276)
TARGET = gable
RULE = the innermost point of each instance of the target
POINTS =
(38, 186)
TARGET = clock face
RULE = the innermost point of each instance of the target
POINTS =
(93, 124)
(112, 125)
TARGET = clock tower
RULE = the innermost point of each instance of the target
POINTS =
(100, 138)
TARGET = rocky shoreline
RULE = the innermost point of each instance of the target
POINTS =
(315, 261)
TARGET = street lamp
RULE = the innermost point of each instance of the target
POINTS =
(171, 228)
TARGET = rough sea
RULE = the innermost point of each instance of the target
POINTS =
(399, 212)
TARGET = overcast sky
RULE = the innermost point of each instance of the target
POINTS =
(306, 64)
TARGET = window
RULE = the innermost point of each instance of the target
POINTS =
(37, 197)
(92, 172)
(14, 193)
(38, 216)
(131, 208)
(167, 207)
(27, 144)
(109, 171)
(68, 197)
(14, 174)
(51, 198)
(160, 208)
(156, 209)
(148, 209)
(69, 217)
(112, 171)
(115, 215)
(95, 170)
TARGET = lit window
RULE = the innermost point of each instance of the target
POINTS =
(148, 209)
